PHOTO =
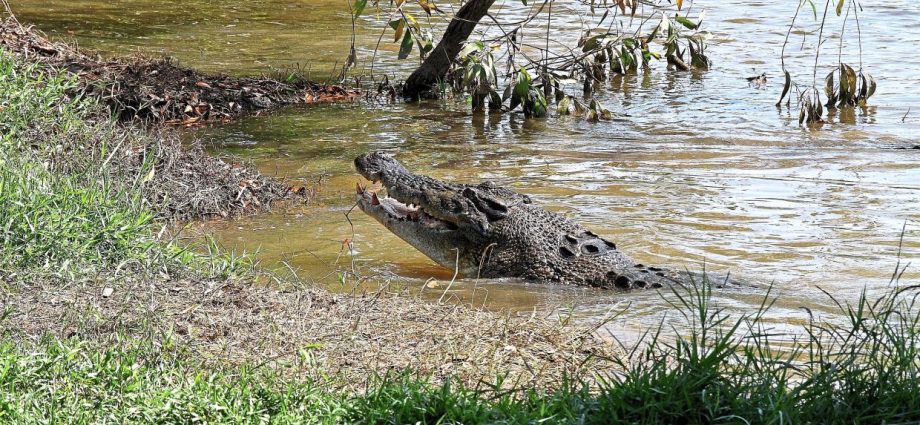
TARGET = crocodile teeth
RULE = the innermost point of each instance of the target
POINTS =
(374, 200)
(358, 189)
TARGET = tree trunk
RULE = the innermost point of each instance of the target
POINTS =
(435, 67)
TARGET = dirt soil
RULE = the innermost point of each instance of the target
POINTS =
(310, 333)
(188, 183)
(158, 90)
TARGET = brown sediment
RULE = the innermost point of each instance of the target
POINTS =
(157, 89)
(178, 181)
(310, 333)
(188, 183)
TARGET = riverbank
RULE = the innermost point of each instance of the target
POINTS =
(88, 258)
(105, 318)
(157, 89)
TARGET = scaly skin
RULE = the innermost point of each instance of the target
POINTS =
(489, 231)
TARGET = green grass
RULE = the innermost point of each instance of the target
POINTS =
(68, 208)
(722, 370)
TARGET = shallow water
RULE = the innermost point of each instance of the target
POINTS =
(697, 168)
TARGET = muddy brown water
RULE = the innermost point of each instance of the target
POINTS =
(697, 168)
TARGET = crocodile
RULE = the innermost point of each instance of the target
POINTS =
(489, 231)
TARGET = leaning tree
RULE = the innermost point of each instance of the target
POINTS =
(525, 61)
(617, 37)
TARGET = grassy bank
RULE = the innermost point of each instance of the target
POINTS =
(723, 371)
(83, 260)
(82, 195)
(104, 321)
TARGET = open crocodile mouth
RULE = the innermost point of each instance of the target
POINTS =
(388, 208)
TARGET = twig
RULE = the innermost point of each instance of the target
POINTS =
(9, 11)
(814, 75)
(456, 272)
(842, 31)
(905, 114)
(858, 32)
(897, 265)
(782, 53)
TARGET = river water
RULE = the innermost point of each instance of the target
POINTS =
(696, 168)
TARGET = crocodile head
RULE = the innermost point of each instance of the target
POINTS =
(450, 223)
(489, 231)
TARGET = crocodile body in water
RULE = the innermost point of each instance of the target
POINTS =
(489, 231)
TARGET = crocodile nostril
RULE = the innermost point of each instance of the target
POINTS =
(566, 252)
(590, 249)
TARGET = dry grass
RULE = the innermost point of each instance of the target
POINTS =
(309, 332)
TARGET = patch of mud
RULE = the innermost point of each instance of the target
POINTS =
(158, 90)
(312, 333)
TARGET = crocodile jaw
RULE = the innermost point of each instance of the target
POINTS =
(438, 239)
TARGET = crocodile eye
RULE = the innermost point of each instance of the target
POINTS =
(452, 205)
(571, 239)
(621, 282)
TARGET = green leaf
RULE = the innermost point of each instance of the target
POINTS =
(411, 21)
(523, 85)
(470, 48)
(840, 7)
(814, 9)
(593, 42)
(686, 22)
(562, 108)
(406, 47)
(507, 94)
(399, 25)
(358, 7)
(535, 105)
(495, 101)
(425, 43)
